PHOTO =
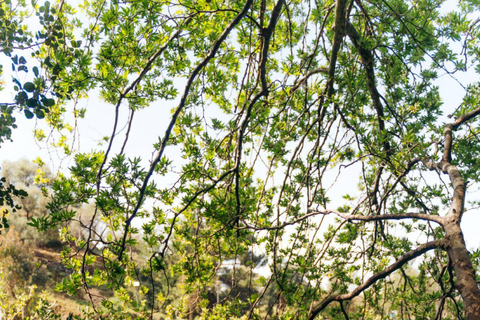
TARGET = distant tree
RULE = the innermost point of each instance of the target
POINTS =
(312, 131)
(31, 178)
(35, 180)
(8, 193)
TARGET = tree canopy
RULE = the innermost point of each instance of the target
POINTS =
(306, 136)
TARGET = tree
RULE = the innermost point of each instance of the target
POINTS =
(31, 178)
(274, 102)
(34, 180)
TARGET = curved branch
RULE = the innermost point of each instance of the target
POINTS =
(377, 276)
(368, 64)
(178, 110)
(447, 153)
(465, 118)
(408, 215)
(132, 86)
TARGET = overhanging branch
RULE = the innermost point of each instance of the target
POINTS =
(178, 110)
(401, 216)
(378, 276)
(350, 217)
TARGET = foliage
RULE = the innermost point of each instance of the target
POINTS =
(32, 96)
(8, 192)
(18, 267)
(283, 114)
(35, 181)
(26, 264)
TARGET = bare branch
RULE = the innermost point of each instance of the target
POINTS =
(409, 215)
(311, 214)
(465, 118)
(447, 153)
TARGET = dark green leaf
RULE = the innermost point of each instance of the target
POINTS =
(21, 97)
(32, 103)
(28, 114)
(29, 87)
(39, 113)
(35, 71)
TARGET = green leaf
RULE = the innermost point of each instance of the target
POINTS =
(28, 114)
(29, 87)
(39, 113)
(32, 103)
(21, 97)
(48, 102)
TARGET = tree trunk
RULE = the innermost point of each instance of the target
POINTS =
(466, 282)
(455, 245)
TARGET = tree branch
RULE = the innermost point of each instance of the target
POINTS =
(368, 64)
(377, 276)
(408, 215)
(455, 244)
(459, 185)
(132, 86)
(447, 153)
(311, 214)
(302, 81)
(178, 110)
(337, 41)
(465, 118)
(267, 35)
